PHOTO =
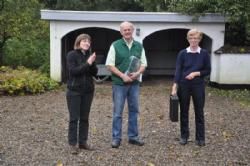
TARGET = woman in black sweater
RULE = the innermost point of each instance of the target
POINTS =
(80, 91)
(192, 65)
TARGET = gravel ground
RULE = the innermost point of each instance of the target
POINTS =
(34, 131)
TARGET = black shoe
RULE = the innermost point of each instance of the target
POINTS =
(85, 146)
(73, 149)
(136, 142)
(200, 143)
(115, 144)
(183, 141)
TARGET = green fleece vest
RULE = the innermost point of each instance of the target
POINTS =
(122, 54)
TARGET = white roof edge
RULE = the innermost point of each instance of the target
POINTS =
(107, 16)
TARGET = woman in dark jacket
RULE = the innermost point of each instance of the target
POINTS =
(80, 91)
(192, 66)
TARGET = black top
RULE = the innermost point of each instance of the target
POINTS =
(80, 72)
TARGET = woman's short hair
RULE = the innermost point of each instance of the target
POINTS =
(193, 32)
(79, 38)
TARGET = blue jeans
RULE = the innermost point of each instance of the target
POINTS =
(120, 94)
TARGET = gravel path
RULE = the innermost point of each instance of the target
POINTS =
(34, 131)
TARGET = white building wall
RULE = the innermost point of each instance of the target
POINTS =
(55, 52)
(233, 69)
(60, 27)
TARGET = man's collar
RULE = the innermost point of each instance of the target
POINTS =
(196, 51)
(127, 41)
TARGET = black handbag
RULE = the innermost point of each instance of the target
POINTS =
(174, 108)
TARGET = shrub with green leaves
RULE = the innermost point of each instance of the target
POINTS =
(30, 53)
(22, 81)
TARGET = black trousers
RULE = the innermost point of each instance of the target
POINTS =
(197, 92)
(79, 108)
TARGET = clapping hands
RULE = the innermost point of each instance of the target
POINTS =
(91, 58)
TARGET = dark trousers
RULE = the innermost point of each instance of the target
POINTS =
(197, 92)
(79, 108)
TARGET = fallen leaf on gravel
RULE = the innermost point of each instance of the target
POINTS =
(171, 146)
(195, 152)
(94, 130)
(59, 163)
(160, 116)
(99, 158)
(226, 135)
(150, 164)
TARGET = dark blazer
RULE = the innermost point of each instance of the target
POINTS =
(80, 72)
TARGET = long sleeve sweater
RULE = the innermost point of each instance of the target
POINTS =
(188, 62)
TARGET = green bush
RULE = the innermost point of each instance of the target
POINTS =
(22, 81)
(31, 53)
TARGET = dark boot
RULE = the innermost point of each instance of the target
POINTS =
(85, 146)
